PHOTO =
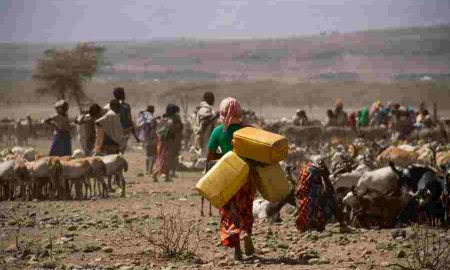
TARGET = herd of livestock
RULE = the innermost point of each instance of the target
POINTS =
(25, 173)
(378, 180)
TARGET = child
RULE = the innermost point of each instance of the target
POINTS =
(61, 144)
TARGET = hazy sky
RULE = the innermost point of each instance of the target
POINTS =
(77, 20)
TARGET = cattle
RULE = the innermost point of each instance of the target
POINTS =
(429, 190)
(383, 180)
(431, 195)
(407, 147)
(13, 173)
(410, 176)
(116, 165)
(374, 207)
(398, 156)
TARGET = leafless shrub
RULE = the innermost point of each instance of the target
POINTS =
(429, 250)
(173, 239)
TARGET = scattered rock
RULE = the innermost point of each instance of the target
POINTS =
(223, 263)
(63, 240)
(313, 261)
(365, 252)
(11, 260)
(385, 264)
(107, 249)
(323, 261)
(12, 222)
(398, 234)
(90, 248)
(72, 228)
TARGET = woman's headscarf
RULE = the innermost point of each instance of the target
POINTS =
(364, 118)
(230, 112)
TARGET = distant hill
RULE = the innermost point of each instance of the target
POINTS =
(378, 55)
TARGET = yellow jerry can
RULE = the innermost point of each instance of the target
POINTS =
(272, 183)
(224, 179)
(260, 145)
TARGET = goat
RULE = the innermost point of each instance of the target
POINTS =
(116, 165)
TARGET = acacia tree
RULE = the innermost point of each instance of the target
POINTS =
(62, 72)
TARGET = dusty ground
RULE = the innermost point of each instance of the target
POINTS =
(85, 233)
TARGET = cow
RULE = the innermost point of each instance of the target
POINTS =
(376, 206)
(398, 156)
(432, 193)
(383, 180)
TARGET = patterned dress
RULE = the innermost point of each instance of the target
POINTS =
(313, 212)
(237, 214)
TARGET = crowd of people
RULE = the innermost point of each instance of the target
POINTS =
(106, 131)
(392, 115)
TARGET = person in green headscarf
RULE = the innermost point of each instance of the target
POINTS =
(363, 120)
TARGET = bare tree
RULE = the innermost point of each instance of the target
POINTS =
(62, 72)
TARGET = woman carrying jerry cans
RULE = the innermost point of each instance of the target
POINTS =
(236, 216)
(61, 143)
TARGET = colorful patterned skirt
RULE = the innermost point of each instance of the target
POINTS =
(312, 212)
(61, 144)
(237, 215)
(163, 161)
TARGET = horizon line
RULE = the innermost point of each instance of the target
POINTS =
(229, 38)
